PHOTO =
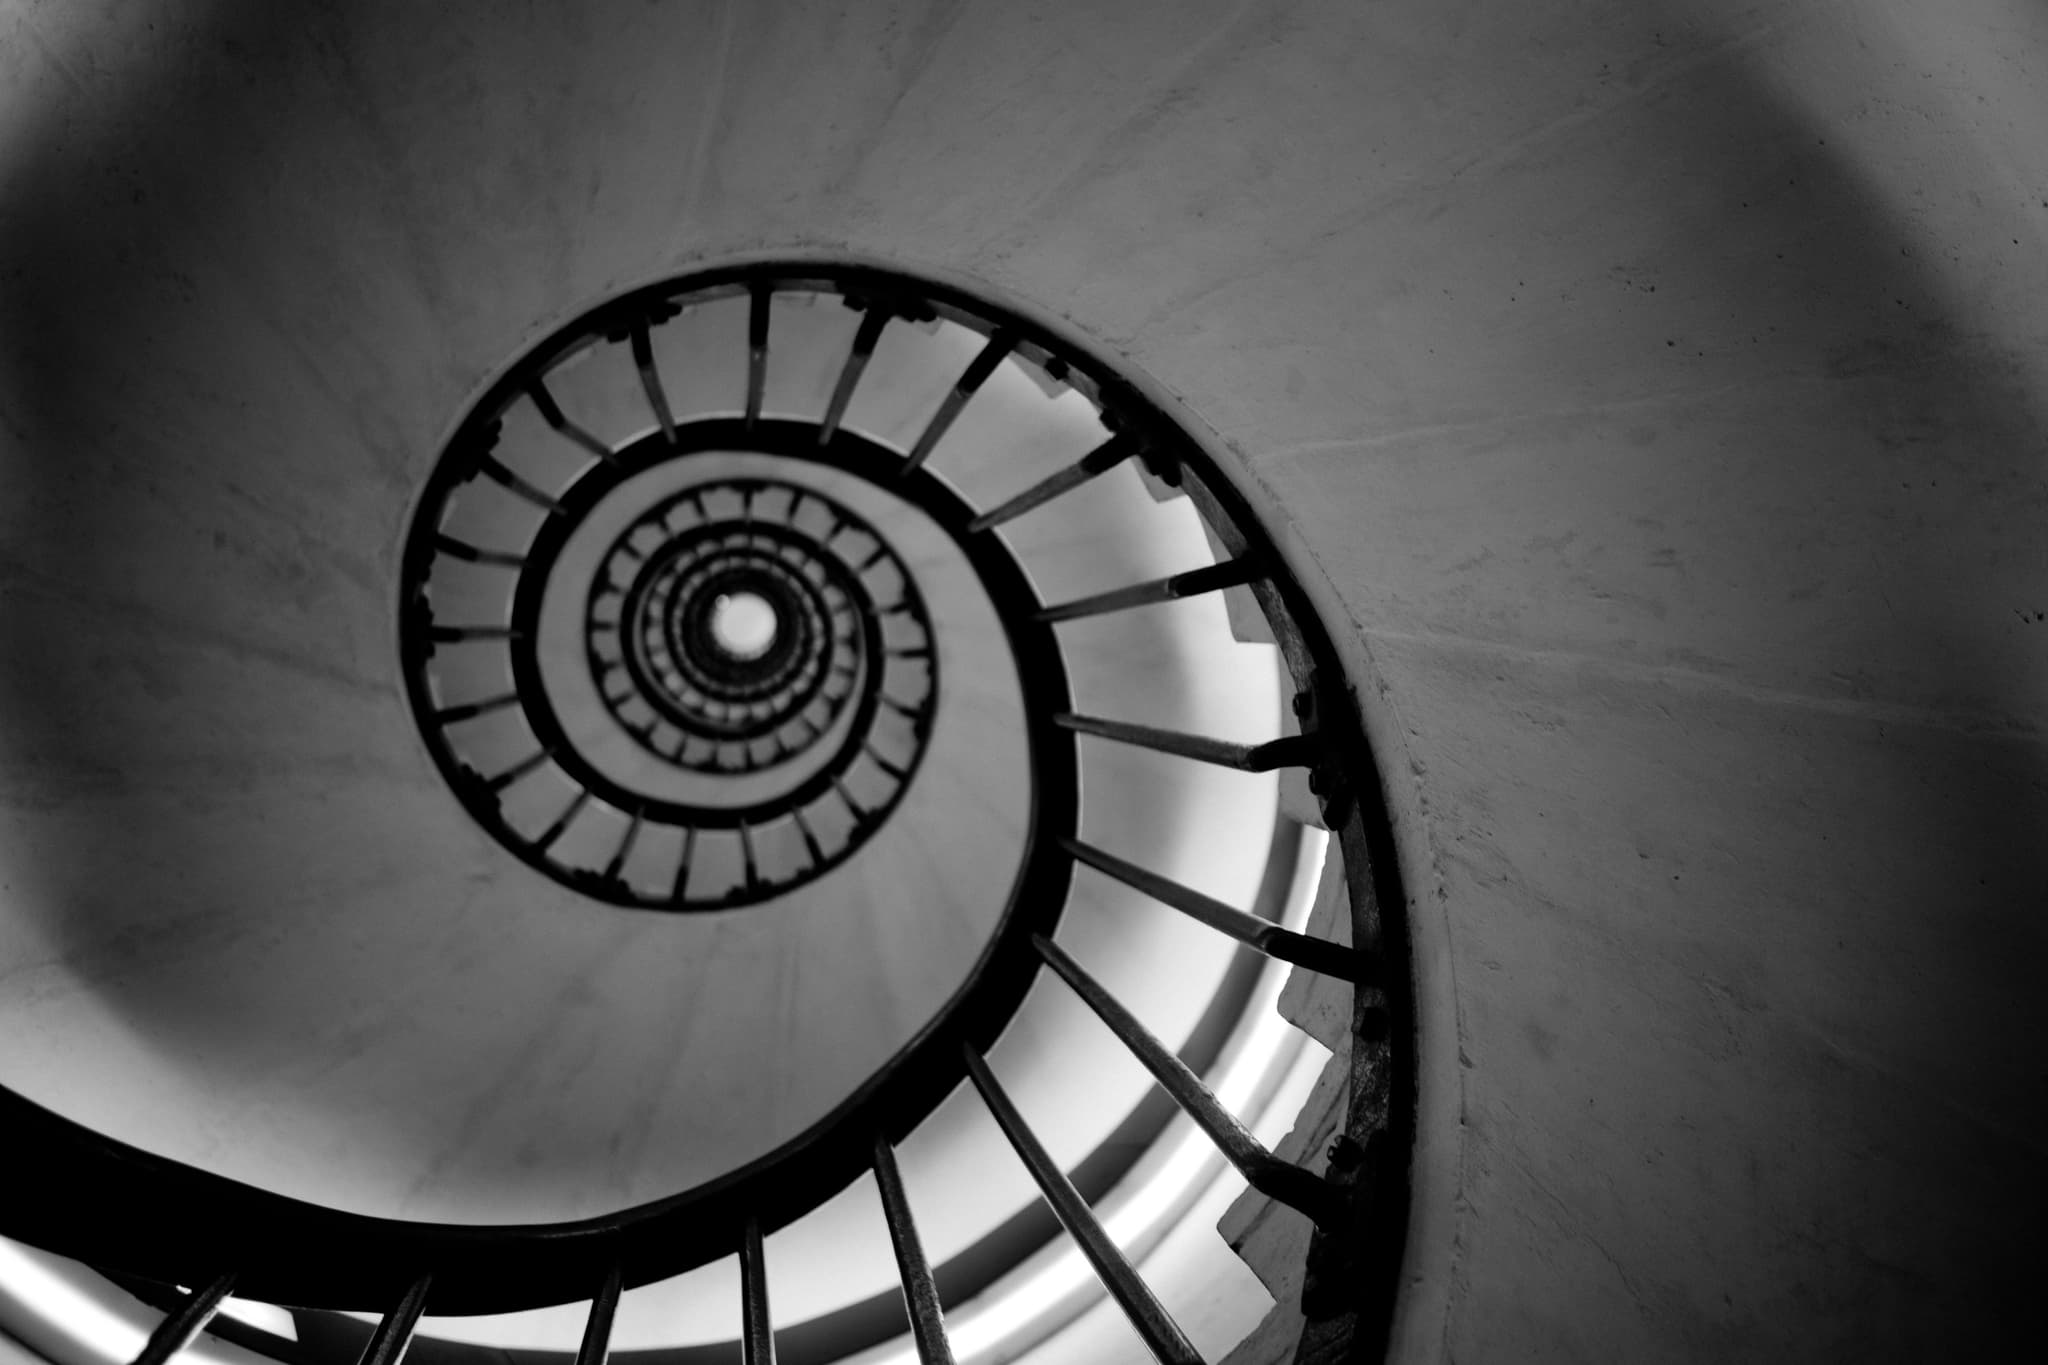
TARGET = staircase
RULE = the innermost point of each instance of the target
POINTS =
(694, 983)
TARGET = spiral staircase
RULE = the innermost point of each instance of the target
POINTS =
(1273, 680)
(839, 693)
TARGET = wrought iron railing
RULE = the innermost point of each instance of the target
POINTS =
(850, 654)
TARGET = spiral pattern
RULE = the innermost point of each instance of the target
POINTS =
(669, 667)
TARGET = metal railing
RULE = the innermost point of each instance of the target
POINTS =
(172, 1224)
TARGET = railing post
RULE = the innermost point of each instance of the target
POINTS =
(650, 380)
(388, 1343)
(1229, 573)
(920, 1292)
(1276, 941)
(597, 1328)
(757, 1333)
(1148, 1317)
(993, 352)
(758, 296)
(872, 324)
(1287, 751)
(1301, 1190)
(176, 1331)
(1098, 461)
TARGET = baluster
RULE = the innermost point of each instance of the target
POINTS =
(920, 1292)
(394, 1331)
(757, 348)
(871, 325)
(757, 1334)
(650, 381)
(1148, 1317)
(1303, 950)
(176, 1331)
(1285, 752)
(976, 374)
(551, 413)
(1100, 460)
(1288, 1183)
(1230, 573)
(597, 1328)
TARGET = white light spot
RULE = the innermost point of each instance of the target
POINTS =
(743, 624)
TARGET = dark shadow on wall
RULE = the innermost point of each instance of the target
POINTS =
(159, 576)
(1904, 466)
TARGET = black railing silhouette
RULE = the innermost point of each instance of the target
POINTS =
(158, 1221)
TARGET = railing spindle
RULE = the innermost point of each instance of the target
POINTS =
(1286, 752)
(1148, 1317)
(455, 635)
(1100, 460)
(176, 1331)
(977, 373)
(650, 381)
(518, 770)
(1230, 573)
(1316, 954)
(597, 1328)
(1281, 1180)
(554, 831)
(551, 413)
(498, 472)
(757, 349)
(476, 554)
(757, 1334)
(449, 715)
(394, 1331)
(920, 1291)
(871, 325)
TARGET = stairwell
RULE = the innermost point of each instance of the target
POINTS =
(1649, 397)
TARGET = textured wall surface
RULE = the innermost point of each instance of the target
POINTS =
(1658, 391)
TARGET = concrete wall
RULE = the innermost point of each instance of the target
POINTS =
(1655, 390)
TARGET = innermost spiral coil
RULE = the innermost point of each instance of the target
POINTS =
(730, 645)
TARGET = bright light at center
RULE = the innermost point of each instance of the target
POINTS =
(743, 624)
